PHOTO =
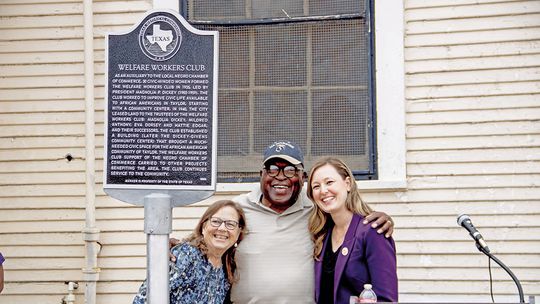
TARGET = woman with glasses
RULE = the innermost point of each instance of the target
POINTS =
(205, 266)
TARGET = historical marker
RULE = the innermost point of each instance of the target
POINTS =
(161, 106)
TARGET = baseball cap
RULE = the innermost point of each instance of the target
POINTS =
(286, 150)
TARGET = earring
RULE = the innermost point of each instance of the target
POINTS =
(235, 245)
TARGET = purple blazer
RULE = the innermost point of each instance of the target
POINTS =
(365, 257)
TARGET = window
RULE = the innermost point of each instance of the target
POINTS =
(298, 70)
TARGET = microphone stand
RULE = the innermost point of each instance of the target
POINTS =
(520, 289)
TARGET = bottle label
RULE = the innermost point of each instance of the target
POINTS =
(367, 301)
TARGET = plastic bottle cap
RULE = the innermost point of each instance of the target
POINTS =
(367, 286)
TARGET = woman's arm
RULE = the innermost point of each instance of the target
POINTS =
(182, 272)
(381, 262)
(179, 272)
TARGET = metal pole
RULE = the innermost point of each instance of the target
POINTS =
(157, 226)
(90, 231)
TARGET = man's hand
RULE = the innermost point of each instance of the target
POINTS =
(172, 242)
(382, 220)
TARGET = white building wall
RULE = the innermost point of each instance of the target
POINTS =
(472, 103)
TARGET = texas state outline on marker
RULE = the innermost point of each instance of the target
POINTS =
(162, 37)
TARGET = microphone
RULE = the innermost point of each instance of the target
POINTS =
(465, 221)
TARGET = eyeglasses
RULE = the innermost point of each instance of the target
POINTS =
(288, 171)
(229, 224)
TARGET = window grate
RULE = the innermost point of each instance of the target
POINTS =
(304, 76)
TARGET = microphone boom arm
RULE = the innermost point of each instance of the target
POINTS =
(518, 284)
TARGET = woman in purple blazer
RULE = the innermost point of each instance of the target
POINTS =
(348, 254)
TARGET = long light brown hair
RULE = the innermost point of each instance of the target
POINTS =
(196, 238)
(319, 221)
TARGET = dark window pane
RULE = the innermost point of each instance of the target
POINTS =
(233, 121)
(325, 7)
(234, 57)
(339, 123)
(337, 47)
(277, 8)
(217, 10)
(280, 55)
(279, 115)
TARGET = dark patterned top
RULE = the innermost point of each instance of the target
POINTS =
(192, 279)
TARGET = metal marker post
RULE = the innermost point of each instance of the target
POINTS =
(157, 226)
(161, 126)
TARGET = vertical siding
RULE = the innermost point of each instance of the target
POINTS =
(473, 146)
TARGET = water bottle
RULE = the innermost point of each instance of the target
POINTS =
(367, 295)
